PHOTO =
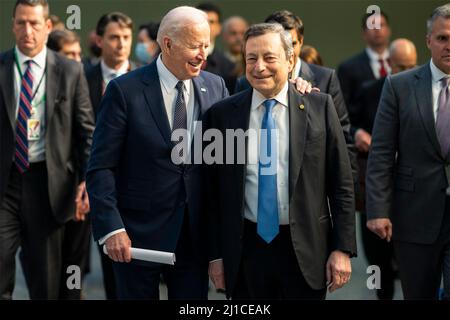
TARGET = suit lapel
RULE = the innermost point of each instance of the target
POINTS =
(52, 84)
(298, 124)
(422, 83)
(239, 118)
(200, 92)
(307, 74)
(366, 68)
(7, 86)
(97, 87)
(155, 101)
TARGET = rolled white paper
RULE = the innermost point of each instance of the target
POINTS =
(150, 255)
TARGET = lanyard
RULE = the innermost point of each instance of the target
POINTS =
(16, 59)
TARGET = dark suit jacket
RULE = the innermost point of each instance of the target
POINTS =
(94, 78)
(319, 169)
(132, 181)
(69, 129)
(406, 173)
(367, 105)
(352, 73)
(219, 64)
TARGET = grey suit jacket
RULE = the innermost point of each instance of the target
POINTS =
(70, 125)
(407, 174)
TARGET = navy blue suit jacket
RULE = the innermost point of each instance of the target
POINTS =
(131, 180)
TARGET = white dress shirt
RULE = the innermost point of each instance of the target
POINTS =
(36, 148)
(436, 86)
(296, 71)
(281, 117)
(375, 64)
(109, 74)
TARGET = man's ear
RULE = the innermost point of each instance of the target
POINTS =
(167, 44)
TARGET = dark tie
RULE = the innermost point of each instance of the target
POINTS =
(443, 117)
(383, 71)
(268, 225)
(26, 93)
(180, 115)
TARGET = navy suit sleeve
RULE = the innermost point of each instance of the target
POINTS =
(108, 143)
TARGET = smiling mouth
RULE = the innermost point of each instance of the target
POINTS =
(196, 65)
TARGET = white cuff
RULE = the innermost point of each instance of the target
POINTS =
(109, 235)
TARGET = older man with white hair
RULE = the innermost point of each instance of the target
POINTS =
(139, 195)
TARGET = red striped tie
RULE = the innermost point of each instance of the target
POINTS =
(26, 94)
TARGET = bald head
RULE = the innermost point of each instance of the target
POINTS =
(233, 31)
(403, 55)
(173, 24)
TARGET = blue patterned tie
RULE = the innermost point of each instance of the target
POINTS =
(26, 93)
(268, 225)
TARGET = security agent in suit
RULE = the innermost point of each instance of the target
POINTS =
(403, 56)
(46, 124)
(114, 36)
(370, 64)
(217, 62)
(308, 242)
(323, 78)
(140, 195)
(408, 169)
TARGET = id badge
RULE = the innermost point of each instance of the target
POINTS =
(33, 129)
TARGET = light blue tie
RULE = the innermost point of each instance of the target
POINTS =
(268, 226)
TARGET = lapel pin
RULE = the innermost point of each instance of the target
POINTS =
(301, 107)
(203, 89)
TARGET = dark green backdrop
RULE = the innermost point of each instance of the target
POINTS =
(333, 27)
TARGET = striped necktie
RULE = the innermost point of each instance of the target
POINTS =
(26, 94)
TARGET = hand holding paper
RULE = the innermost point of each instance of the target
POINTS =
(150, 255)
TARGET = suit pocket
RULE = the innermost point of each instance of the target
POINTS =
(404, 171)
(133, 203)
(404, 183)
(314, 137)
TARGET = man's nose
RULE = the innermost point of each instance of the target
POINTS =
(28, 29)
(260, 65)
(203, 53)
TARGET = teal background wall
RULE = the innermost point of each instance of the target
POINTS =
(333, 27)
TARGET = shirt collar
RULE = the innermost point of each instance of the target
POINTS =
(374, 56)
(168, 79)
(296, 71)
(107, 72)
(211, 48)
(39, 60)
(436, 73)
(281, 97)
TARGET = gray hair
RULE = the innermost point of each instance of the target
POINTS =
(175, 21)
(442, 11)
(265, 28)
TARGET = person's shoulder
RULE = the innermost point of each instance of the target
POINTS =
(69, 66)
(234, 100)
(316, 69)
(353, 60)
(410, 74)
(5, 55)
(131, 78)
